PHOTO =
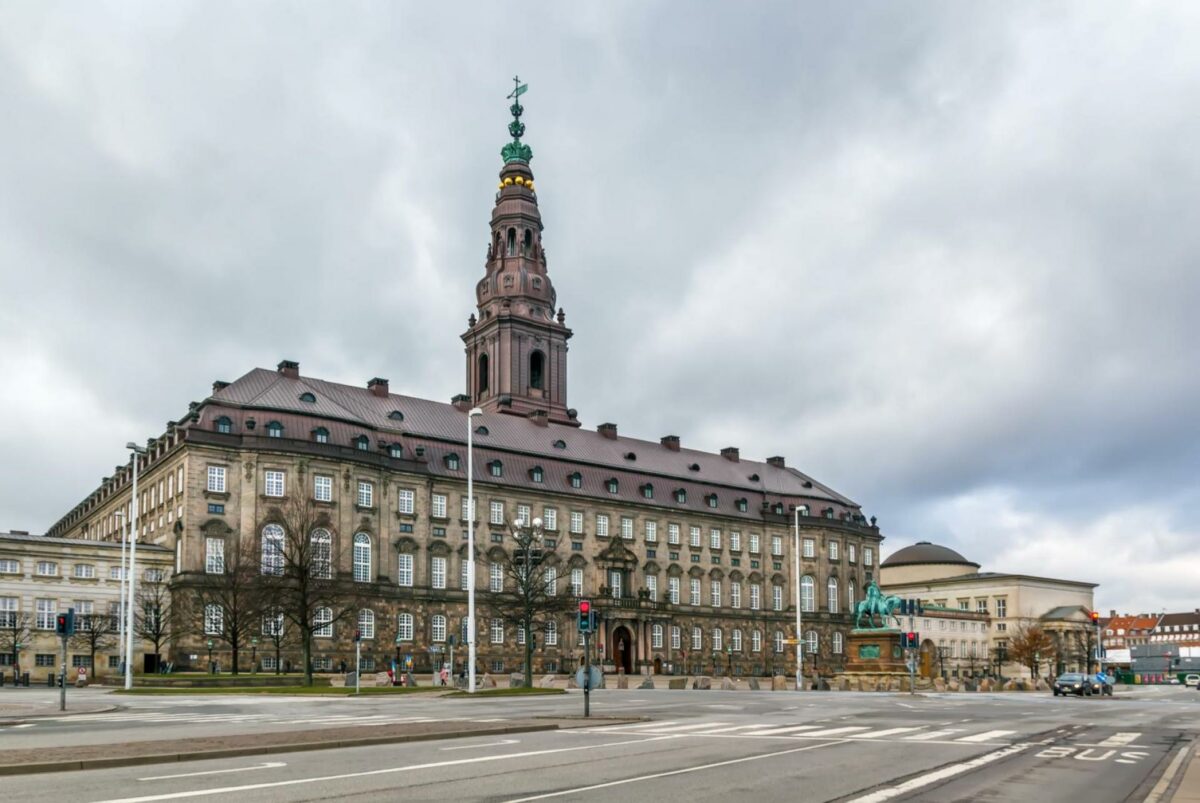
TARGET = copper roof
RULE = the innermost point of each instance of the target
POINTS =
(923, 552)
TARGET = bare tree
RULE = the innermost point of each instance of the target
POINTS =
(156, 616)
(234, 585)
(528, 598)
(274, 631)
(94, 632)
(1029, 645)
(299, 572)
(16, 627)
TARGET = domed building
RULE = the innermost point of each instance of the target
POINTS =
(970, 615)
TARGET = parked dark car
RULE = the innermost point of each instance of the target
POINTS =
(1073, 683)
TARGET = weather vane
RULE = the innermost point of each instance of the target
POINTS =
(516, 151)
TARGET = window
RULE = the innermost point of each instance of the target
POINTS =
(755, 596)
(850, 601)
(656, 637)
(777, 598)
(45, 659)
(437, 628)
(576, 521)
(437, 567)
(735, 640)
(214, 555)
(274, 430)
(810, 548)
(611, 486)
(601, 525)
(831, 592)
(550, 518)
(466, 509)
(8, 612)
(694, 536)
(833, 550)
(216, 479)
(366, 623)
(648, 491)
(714, 538)
(272, 550)
(551, 581)
(714, 593)
(47, 609)
(868, 556)
(735, 595)
(366, 494)
(756, 641)
(735, 541)
(496, 511)
(808, 593)
(404, 570)
(214, 620)
(537, 474)
(776, 545)
(577, 582)
(404, 627)
(78, 661)
(320, 435)
(673, 590)
(651, 532)
(981, 606)
(551, 634)
(697, 638)
(272, 625)
(837, 643)
(405, 501)
(323, 623)
(743, 506)
(47, 568)
(576, 480)
(452, 462)
(1001, 608)
(626, 528)
(224, 425)
(681, 496)
(777, 641)
(497, 631)
(673, 534)
(273, 483)
(716, 639)
(496, 468)
(652, 587)
(361, 443)
(482, 373)
(810, 639)
(496, 577)
(676, 640)
(851, 553)
(322, 488)
(322, 554)
(524, 515)
(614, 584)
(362, 558)
(537, 360)
(694, 591)
(85, 571)
(437, 506)
(464, 567)
(10, 566)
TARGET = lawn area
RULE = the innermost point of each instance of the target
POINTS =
(329, 691)
(498, 692)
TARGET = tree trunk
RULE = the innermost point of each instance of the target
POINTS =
(233, 646)
(308, 673)
(528, 660)
(278, 666)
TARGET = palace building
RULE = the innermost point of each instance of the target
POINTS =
(686, 554)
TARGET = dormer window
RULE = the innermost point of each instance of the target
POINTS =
(681, 496)
(396, 450)
(274, 430)
(224, 425)
(576, 480)
(754, 478)
(711, 499)
(308, 398)
(802, 510)
(496, 468)
(647, 491)
(452, 462)
(828, 513)
(481, 430)
(536, 474)
(560, 444)
(361, 443)
(396, 415)
(742, 505)
(778, 508)
(630, 456)
(611, 486)
(320, 435)
(694, 467)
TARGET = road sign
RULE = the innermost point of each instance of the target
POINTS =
(596, 678)
(792, 641)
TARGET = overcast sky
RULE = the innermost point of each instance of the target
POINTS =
(940, 256)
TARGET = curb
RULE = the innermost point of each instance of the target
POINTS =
(233, 752)
(57, 715)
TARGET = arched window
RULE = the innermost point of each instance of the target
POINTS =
(452, 461)
(511, 249)
(323, 623)
(537, 365)
(320, 435)
(716, 639)
(808, 594)
(742, 505)
(777, 641)
(837, 643)
(496, 468)
(536, 474)
(362, 558)
(404, 627)
(831, 594)
(735, 640)
(322, 554)
(576, 480)
(308, 397)
(396, 450)
(712, 500)
(850, 595)
(527, 243)
(272, 549)
(756, 641)
(274, 430)
(366, 623)
(810, 642)
(482, 383)
(611, 486)
(656, 637)
(437, 628)
(681, 496)
(224, 425)
(362, 443)
(551, 633)
(648, 491)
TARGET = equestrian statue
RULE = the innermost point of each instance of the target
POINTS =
(876, 603)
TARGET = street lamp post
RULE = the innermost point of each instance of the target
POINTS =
(729, 655)
(210, 663)
(796, 583)
(254, 655)
(121, 525)
(471, 647)
(133, 537)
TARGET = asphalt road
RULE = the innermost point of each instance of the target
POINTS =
(699, 746)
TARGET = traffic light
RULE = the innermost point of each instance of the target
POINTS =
(64, 623)
(910, 641)
(585, 616)
(1095, 617)
(358, 635)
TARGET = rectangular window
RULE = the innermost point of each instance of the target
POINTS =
(577, 582)
(735, 541)
(85, 571)
(981, 606)
(1001, 608)
(754, 542)
(614, 584)
(322, 488)
(755, 596)
(366, 494)
(656, 637)
(694, 591)
(497, 631)
(601, 525)
(673, 534)
(214, 555)
(496, 510)
(404, 570)
(273, 483)
(8, 612)
(550, 518)
(405, 501)
(551, 634)
(44, 659)
(116, 573)
(676, 641)
(851, 553)
(10, 566)
(777, 598)
(438, 572)
(464, 567)
(868, 556)
(693, 536)
(651, 532)
(735, 595)
(626, 528)
(496, 578)
(776, 545)
(216, 479)
(437, 506)
(576, 521)
(524, 515)
(673, 590)
(697, 639)
(810, 548)
(652, 587)
(47, 568)
(715, 593)
(714, 538)
(833, 550)
(551, 581)
(214, 620)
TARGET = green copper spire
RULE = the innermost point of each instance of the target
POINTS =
(516, 151)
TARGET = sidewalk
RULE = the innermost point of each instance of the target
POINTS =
(1189, 786)
(32, 705)
(123, 754)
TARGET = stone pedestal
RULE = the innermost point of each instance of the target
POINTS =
(875, 652)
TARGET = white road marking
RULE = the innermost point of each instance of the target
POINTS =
(736, 728)
(477, 746)
(836, 731)
(269, 765)
(1164, 782)
(779, 731)
(1119, 739)
(669, 773)
(986, 736)
(695, 726)
(888, 732)
(225, 790)
(645, 725)
(920, 737)
(938, 775)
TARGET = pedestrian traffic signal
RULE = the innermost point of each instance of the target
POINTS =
(585, 616)
(64, 623)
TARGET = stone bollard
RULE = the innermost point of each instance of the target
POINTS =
(547, 682)
(622, 681)
(647, 683)
(488, 682)
(727, 684)
(753, 684)
(779, 683)
(677, 683)
(702, 682)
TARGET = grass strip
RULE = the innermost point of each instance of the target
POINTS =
(331, 691)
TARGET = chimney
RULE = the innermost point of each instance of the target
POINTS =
(670, 441)
(539, 417)
(1112, 613)
(461, 402)
(378, 386)
(289, 368)
(730, 453)
(775, 461)
(218, 386)
(608, 430)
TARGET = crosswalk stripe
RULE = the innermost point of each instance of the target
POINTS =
(648, 725)
(888, 732)
(779, 731)
(1118, 739)
(986, 736)
(836, 731)
(734, 728)
(920, 737)
(695, 726)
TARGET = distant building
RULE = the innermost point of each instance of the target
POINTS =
(1177, 628)
(1125, 631)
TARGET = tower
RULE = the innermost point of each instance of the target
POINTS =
(516, 350)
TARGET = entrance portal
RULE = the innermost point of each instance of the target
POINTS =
(622, 644)
(658, 666)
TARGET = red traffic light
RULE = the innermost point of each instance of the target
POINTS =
(585, 606)
(1095, 616)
